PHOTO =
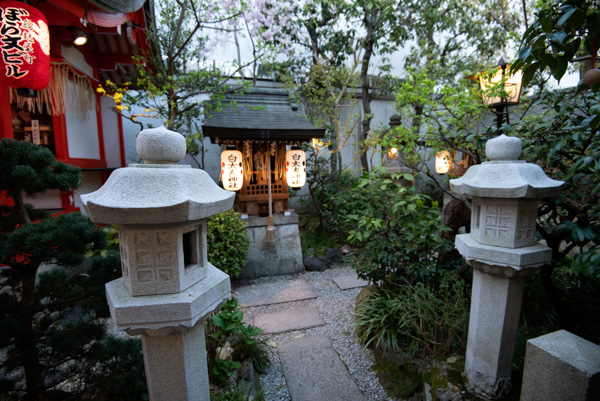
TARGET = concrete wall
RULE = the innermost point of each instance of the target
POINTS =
(110, 130)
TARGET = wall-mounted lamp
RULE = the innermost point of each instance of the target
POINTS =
(78, 37)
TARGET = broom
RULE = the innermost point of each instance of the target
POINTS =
(270, 237)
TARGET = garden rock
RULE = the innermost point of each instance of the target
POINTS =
(346, 249)
(333, 256)
(248, 380)
(314, 264)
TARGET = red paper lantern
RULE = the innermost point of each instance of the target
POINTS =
(24, 46)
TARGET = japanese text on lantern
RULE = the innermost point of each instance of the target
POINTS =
(24, 43)
(232, 170)
(296, 168)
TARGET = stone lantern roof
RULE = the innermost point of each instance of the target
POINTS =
(503, 176)
(158, 191)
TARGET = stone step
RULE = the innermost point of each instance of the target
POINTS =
(288, 320)
(349, 282)
(314, 371)
(273, 293)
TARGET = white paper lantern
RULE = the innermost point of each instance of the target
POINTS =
(232, 171)
(295, 168)
(442, 162)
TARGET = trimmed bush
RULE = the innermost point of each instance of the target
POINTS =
(227, 242)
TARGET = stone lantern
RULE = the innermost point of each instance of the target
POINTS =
(502, 250)
(168, 286)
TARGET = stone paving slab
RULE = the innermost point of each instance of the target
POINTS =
(273, 293)
(314, 371)
(351, 281)
(288, 320)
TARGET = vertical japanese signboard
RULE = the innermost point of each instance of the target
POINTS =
(24, 46)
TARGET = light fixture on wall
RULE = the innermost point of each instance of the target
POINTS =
(232, 170)
(295, 168)
(511, 91)
(443, 162)
(78, 37)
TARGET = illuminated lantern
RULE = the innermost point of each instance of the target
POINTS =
(232, 170)
(393, 153)
(295, 168)
(25, 46)
(442, 162)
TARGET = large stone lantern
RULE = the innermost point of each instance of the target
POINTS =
(502, 250)
(168, 286)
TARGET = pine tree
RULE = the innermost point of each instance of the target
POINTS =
(51, 320)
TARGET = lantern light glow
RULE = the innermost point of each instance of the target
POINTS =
(232, 171)
(25, 44)
(295, 167)
(442, 162)
(393, 153)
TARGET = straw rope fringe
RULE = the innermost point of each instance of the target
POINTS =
(67, 91)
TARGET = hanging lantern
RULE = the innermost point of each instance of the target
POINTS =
(295, 168)
(232, 170)
(442, 162)
(25, 46)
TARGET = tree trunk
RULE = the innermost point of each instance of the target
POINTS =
(26, 343)
(370, 21)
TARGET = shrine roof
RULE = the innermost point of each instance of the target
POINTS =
(263, 114)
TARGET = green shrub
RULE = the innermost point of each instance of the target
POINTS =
(227, 328)
(398, 233)
(416, 318)
(227, 242)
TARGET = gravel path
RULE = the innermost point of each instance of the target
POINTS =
(336, 308)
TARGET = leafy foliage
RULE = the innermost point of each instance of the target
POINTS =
(52, 327)
(416, 318)
(564, 140)
(562, 29)
(227, 242)
(398, 232)
(225, 329)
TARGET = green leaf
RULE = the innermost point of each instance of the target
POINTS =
(558, 37)
(566, 15)
(524, 53)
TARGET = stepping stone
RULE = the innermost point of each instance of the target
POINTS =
(273, 293)
(288, 320)
(351, 281)
(314, 371)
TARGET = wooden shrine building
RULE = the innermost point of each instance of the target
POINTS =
(262, 123)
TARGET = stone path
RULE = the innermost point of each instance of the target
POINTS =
(307, 321)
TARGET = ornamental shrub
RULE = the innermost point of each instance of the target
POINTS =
(432, 319)
(227, 242)
(398, 233)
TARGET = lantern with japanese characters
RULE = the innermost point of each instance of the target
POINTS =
(24, 46)
(442, 162)
(232, 170)
(295, 167)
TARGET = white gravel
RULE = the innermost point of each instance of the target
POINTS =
(336, 308)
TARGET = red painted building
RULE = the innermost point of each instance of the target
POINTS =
(70, 117)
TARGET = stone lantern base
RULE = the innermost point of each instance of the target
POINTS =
(172, 331)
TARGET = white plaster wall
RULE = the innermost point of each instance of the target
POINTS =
(92, 181)
(76, 58)
(82, 135)
(110, 130)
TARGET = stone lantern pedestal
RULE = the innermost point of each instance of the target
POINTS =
(502, 250)
(168, 285)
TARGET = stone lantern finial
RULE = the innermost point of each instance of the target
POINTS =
(160, 146)
(503, 148)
